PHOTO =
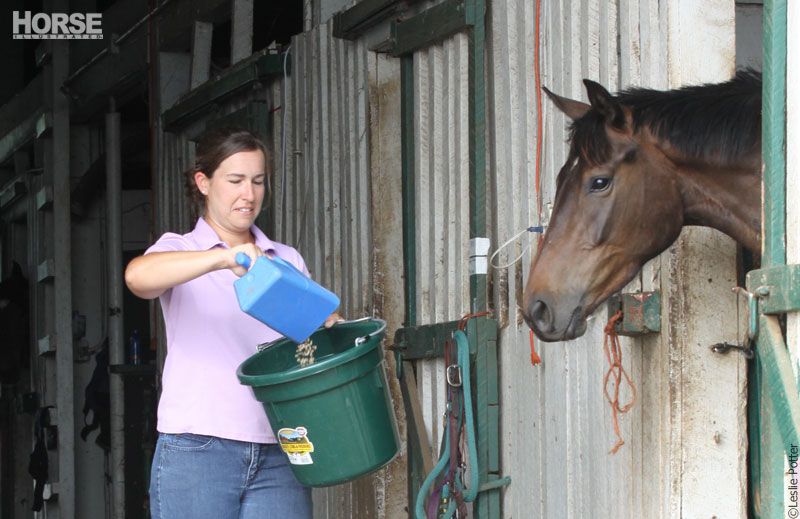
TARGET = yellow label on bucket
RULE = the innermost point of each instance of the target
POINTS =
(296, 445)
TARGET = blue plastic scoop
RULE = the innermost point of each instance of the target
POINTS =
(282, 297)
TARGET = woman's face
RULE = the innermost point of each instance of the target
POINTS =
(235, 192)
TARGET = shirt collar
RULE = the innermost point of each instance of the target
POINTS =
(207, 237)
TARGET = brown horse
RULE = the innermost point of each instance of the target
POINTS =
(642, 165)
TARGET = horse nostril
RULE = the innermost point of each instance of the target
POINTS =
(541, 316)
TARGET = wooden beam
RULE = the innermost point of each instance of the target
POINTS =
(430, 26)
(244, 74)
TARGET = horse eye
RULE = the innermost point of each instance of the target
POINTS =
(599, 184)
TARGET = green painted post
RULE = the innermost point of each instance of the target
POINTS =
(767, 446)
(773, 131)
(475, 11)
(487, 504)
(413, 34)
(754, 407)
(409, 187)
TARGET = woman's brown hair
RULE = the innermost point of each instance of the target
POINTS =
(215, 146)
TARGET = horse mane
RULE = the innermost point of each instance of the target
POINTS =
(717, 122)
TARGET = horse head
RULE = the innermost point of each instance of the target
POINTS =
(617, 205)
(641, 165)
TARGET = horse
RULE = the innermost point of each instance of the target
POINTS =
(641, 165)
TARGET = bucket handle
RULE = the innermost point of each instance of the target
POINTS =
(361, 340)
(358, 341)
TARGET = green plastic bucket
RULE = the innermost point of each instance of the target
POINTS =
(333, 419)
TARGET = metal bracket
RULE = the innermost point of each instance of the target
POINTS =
(777, 287)
(641, 313)
(752, 311)
(398, 349)
(495, 484)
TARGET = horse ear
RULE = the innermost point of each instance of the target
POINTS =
(571, 108)
(605, 104)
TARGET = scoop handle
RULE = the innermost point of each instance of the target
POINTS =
(243, 259)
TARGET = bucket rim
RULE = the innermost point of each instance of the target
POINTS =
(296, 373)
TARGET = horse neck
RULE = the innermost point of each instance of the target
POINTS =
(724, 196)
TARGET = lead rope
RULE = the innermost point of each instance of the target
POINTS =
(614, 355)
(454, 486)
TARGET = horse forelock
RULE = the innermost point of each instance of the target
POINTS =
(589, 139)
(588, 144)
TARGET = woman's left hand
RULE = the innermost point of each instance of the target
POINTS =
(333, 319)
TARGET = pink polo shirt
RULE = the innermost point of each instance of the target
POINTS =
(208, 337)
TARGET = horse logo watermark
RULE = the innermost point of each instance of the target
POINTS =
(57, 26)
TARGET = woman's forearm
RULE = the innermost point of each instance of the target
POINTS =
(151, 275)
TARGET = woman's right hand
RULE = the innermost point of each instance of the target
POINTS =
(252, 251)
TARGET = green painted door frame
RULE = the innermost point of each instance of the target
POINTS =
(774, 404)
(423, 342)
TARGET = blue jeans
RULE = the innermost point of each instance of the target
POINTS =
(199, 477)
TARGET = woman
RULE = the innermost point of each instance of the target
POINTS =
(216, 455)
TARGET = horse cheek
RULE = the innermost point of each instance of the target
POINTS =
(601, 223)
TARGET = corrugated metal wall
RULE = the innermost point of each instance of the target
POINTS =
(556, 425)
(323, 201)
(176, 154)
(326, 209)
(441, 169)
(556, 428)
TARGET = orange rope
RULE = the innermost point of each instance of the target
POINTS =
(614, 355)
(462, 324)
(535, 359)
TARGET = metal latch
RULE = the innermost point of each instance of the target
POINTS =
(724, 347)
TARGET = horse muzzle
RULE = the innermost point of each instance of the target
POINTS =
(551, 323)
